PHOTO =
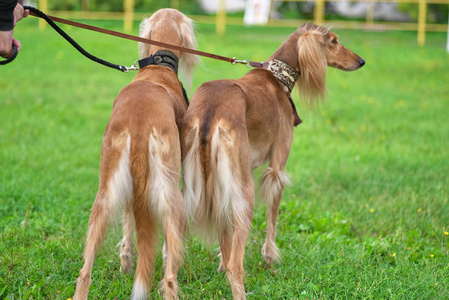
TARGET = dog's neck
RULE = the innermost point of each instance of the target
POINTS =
(161, 58)
(283, 72)
(287, 75)
(167, 59)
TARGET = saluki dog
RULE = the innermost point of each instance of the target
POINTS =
(234, 126)
(141, 160)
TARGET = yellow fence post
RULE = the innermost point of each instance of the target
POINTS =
(221, 17)
(85, 5)
(43, 6)
(129, 15)
(318, 12)
(422, 22)
(370, 12)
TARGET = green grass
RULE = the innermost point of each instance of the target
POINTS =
(367, 215)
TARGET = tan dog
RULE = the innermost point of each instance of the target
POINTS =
(234, 126)
(141, 159)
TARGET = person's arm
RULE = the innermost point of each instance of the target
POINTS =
(10, 13)
(7, 14)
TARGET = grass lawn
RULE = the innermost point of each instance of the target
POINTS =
(367, 216)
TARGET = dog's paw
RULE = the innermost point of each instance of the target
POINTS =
(127, 263)
(82, 287)
(271, 253)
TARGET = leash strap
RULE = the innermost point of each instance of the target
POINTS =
(37, 13)
(11, 55)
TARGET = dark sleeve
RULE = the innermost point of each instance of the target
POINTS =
(6, 14)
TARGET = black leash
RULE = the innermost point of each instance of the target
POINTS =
(72, 42)
(37, 13)
(67, 38)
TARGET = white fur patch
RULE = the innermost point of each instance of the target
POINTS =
(120, 187)
(272, 183)
(163, 180)
(192, 175)
(229, 202)
(139, 291)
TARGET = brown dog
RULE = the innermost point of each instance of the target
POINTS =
(233, 126)
(141, 159)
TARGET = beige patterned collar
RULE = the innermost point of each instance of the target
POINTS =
(283, 72)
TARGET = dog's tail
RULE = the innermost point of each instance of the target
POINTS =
(192, 172)
(145, 223)
(214, 190)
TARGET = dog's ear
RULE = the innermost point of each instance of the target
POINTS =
(187, 61)
(312, 66)
(146, 30)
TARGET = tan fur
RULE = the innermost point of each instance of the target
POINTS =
(140, 163)
(234, 126)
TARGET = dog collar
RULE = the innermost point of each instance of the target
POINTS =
(161, 58)
(167, 59)
(288, 76)
(283, 72)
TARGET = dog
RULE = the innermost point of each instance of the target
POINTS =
(234, 126)
(141, 159)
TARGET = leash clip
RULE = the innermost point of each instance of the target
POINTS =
(246, 62)
(133, 67)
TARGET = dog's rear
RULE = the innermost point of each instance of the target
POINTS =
(140, 162)
(214, 169)
(218, 182)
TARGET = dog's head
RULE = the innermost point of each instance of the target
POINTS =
(172, 27)
(318, 48)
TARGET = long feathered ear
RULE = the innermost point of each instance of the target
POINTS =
(146, 29)
(312, 65)
(187, 61)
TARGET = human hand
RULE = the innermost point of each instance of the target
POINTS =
(5, 43)
(20, 13)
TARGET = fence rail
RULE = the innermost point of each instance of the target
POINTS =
(221, 20)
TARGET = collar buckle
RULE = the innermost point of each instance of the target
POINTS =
(132, 68)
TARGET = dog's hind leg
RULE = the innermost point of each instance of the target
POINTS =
(127, 243)
(166, 201)
(95, 236)
(173, 233)
(115, 188)
(235, 269)
(225, 248)
(235, 192)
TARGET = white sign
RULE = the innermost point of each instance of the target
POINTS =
(257, 12)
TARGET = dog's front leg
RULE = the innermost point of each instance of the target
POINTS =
(272, 185)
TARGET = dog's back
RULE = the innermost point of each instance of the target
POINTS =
(228, 130)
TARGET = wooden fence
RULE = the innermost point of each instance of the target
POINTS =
(221, 20)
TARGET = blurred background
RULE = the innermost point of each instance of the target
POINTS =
(415, 15)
